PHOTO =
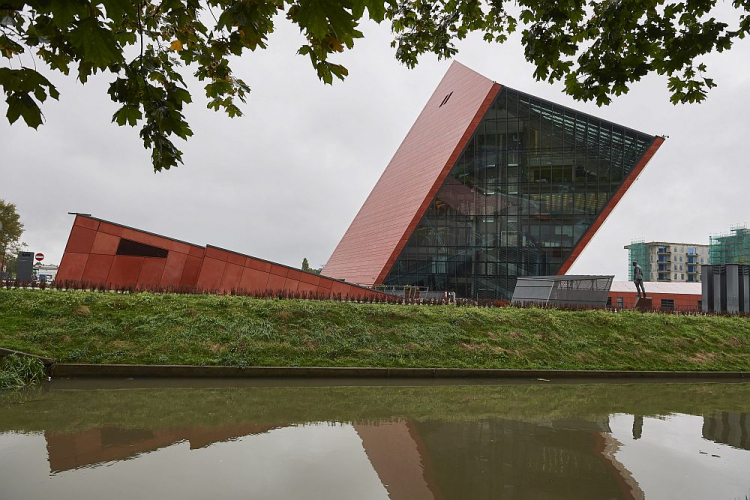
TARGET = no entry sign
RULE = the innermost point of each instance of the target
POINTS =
(39, 257)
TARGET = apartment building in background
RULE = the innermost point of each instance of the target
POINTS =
(668, 262)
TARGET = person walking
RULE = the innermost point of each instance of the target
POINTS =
(638, 280)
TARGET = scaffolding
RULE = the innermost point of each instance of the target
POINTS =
(638, 252)
(730, 248)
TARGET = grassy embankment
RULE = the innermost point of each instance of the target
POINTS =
(86, 327)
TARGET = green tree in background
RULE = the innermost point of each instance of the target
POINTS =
(306, 267)
(11, 230)
(597, 47)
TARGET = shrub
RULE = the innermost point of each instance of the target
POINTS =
(20, 371)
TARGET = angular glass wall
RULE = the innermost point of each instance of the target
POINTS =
(532, 179)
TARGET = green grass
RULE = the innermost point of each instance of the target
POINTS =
(18, 371)
(86, 327)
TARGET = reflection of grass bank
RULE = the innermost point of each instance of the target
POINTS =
(158, 407)
(17, 371)
(87, 327)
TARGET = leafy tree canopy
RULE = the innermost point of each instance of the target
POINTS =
(596, 47)
(11, 230)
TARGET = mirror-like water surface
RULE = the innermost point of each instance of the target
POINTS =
(294, 440)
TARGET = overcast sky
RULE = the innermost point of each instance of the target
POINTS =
(285, 181)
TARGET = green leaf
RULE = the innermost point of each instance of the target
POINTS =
(22, 105)
(117, 10)
(64, 12)
(96, 42)
(129, 114)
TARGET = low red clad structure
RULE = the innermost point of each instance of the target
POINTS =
(103, 252)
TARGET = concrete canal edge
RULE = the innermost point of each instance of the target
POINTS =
(73, 370)
(65, 370)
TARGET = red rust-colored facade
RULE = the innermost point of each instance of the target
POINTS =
(399, 200)
(92, 256)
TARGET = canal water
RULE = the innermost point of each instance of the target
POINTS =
(141, 439)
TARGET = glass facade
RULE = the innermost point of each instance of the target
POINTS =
(531, 180)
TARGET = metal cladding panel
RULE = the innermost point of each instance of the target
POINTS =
(253, 280)
(211, 273)
(80, 240)
(173, 269)
(87, 222)
(231, 278)
(105, 244)
(291, 284)
(275, 282)
(97, 268)
(151, 272)
(125, 270)
(398, 201)
(191, 271)
(72, 266)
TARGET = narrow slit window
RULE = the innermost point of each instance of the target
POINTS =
(445, 100)
(135, 249)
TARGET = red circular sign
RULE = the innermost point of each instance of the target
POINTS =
(39, 257)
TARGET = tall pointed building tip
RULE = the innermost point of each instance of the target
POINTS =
(489, 184)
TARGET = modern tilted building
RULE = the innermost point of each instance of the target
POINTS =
(489, 184)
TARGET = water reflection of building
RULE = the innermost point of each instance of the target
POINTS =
(107, 444)
(419, 460)
(728, 428)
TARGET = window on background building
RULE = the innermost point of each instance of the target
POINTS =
(609, 301)
(675, 276)
(701, 260)
(667, 304)
(700, 305)
(620, 303)
(680, 258)
(682, 276)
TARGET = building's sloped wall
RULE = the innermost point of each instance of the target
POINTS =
(391, 212)
(224, 271)
(91, 256)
